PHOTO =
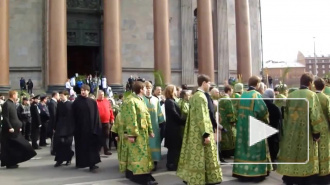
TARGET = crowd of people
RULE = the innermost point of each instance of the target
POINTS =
(39, 118)
(74, 84)
(200, 128)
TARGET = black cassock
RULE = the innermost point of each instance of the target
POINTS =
(15, 148)
(275, 121)
(88, 132)
(35, 124)
(64, 128)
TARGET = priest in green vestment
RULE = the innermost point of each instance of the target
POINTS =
(327, 90)
(257, 153)
(283, 94)
(184, 103)
(228, 120)
(178, 90)
(157, 118)
(324, 142)
(238, 90)
(215, 96)
(198, 162)
(292, 90)
(136, 118)
(122, 143)
(297, 137)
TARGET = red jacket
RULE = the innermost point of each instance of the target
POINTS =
(105, 111)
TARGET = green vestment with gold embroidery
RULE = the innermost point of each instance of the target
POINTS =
(327, 90)
(244, 153)
(297, 135)
(122, 143)
(324, 142)
(235, 102)
(227, 114)
(279, 102)
(184, 108)
(157, 118)
(136, 118)
(199, 163)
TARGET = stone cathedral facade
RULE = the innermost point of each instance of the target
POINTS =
(29, 43)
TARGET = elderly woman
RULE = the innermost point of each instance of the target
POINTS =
(275, 121)
(174, 128)
(262, 88)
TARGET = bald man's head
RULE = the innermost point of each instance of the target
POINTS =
(100, 95)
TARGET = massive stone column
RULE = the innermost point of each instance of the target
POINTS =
(255, 29)
(223, 42)
(187, 48)
(112, 44)
(162, 39)
(4, 46)
(57, 69)
(243, 39)
(205, 38)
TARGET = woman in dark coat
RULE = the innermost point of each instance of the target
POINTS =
(64, 129)
(14, 148)
(275, 121)
(174, 128)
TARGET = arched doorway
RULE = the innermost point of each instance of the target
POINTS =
(84, 36)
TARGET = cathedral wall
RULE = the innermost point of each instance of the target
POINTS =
(137, 32)
(26, 41)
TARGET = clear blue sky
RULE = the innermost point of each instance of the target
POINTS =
(290, 25)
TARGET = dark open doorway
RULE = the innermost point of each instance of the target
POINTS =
(83, 60)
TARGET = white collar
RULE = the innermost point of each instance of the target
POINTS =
(201, 90)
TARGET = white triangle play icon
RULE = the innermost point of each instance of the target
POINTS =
(259, 131)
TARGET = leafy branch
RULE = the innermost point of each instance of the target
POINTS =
(159, 79)
(285, 73)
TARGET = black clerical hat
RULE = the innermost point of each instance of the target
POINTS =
(42, 97)
(25, 99)
(36, 97)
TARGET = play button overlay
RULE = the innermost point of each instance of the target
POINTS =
(259, 131)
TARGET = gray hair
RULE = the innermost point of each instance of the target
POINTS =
(269, 93)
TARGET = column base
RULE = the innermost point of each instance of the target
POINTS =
(4, 89)
(117, 88)
(52, 88)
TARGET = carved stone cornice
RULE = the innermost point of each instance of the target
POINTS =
(83, 4)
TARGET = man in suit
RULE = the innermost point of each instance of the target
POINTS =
(35, 121)
(44, 117)
(52, 106)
